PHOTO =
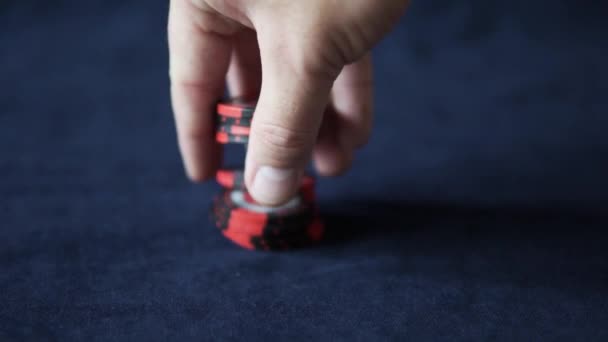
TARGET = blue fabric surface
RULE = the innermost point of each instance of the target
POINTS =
(478, 211)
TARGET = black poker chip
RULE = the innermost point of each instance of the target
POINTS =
(226, 120)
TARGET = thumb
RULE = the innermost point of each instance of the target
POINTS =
(288, 116)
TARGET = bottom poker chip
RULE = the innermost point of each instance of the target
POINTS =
(252, 226)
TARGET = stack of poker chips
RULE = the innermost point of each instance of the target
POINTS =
(236, 214)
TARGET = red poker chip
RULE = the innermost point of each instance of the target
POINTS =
(233, 129)
(243, 206)
(255, 227)
(236, 108)
(227, 138)
(231, 178)
(313, 234)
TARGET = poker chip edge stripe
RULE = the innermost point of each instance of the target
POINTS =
(235, 110)
(226, 138)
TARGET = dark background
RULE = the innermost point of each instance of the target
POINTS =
(478, 210)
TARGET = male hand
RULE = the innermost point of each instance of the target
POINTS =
(300, 57)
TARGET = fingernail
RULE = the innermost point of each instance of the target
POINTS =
(273, 186)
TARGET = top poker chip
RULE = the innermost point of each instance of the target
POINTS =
(236, 108)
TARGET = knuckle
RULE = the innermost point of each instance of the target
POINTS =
(312, 58)
(284, 144)
(314, 62)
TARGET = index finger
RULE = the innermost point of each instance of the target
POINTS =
(199, 54)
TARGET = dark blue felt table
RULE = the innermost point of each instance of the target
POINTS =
(478, 211)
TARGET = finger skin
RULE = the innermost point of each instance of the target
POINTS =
(287, 119)
(352, 100)
(245, 71)
(199, 59)
(331, 159)
(348, 121)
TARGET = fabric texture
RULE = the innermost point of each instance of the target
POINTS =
(477, 212)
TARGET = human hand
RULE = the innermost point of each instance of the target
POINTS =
(307, 61)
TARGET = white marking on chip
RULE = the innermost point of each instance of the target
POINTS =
(238, 197)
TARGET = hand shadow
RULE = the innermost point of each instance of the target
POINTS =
(546, 247)
(368, 218)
